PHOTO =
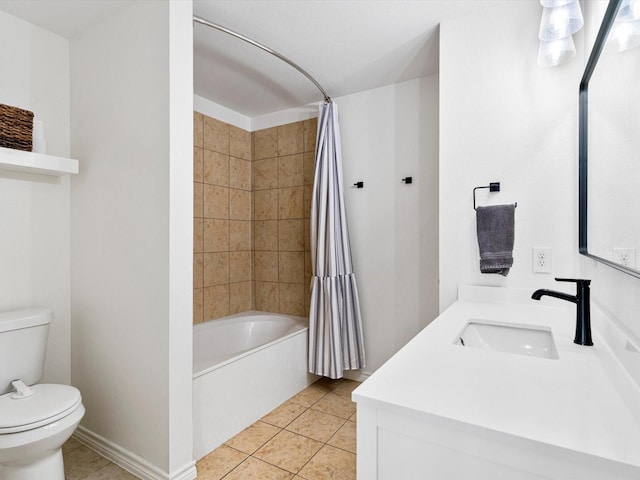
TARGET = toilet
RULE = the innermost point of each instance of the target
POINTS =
(35, 419)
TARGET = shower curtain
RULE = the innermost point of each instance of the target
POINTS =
(335, 325)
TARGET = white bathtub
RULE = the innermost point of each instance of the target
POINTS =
(244, 366)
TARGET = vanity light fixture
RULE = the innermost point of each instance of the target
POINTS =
(560, 20)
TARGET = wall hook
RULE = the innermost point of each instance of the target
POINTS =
(407, 180)
(358, 185)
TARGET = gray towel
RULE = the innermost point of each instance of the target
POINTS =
(495, 226)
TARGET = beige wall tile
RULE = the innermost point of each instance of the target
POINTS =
(291, 267)
(239, 267)
(307, 236)
(239, 204)
(251, 210)
(310, 133)
(308, 167)
(265, 143)
(216, 135)
(216, 168)
(216, 302)
(308, 266)
(291, 235)
(290, 203)
(266, 235)
(267, 299)
(266, 266)
(198, 158)
(198, 270)
(290, 171)
(307, 302)
(198, 200)
(266, 204)
(265, 174)
(292, 299)
(240, 298)
(198, 235)
(198, 305)
(216, 268)
(306, 206)
(239, 235)
(239, 143)
(239, 173)
(290, 138)
(216, 235)
(216, 202)
(198, 129)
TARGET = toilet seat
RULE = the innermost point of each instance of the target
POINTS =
(49, 403)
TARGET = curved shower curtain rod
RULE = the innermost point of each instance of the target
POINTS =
(203, 21)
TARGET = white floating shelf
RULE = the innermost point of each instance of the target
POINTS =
(30, 162)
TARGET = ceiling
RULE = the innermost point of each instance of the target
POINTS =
(346, 45)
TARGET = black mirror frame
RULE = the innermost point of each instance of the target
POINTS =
(598, 46)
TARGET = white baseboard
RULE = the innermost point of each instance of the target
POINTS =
(128, 460)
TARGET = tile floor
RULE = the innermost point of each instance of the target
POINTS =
(311, 436)
(82, 463)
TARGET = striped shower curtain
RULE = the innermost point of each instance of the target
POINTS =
(335, 326)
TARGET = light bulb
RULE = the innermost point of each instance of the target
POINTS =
(624, 36)
(555, 52)
(560, 21)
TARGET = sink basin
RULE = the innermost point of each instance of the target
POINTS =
(509, 338)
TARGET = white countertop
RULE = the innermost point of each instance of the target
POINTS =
(583, 401)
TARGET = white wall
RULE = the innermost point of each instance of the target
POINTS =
(180, 358)
(503, 118)
(131, 216)
(34, 237)
(387, 134)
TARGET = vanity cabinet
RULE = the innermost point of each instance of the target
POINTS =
(438, 410)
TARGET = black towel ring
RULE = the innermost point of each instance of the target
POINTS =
(493, 187)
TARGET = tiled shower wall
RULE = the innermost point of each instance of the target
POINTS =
(252, 202)
(222, 278)
(283, 168)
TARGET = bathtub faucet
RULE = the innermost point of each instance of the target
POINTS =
(583, 307)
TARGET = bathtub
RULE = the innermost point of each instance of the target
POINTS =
(244, 366)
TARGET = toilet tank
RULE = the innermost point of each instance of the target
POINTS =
(23, 346)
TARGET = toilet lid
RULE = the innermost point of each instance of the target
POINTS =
(48, 403)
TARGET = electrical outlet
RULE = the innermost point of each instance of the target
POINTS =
(625, 257)
(541, 260)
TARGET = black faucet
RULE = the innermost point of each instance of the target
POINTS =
(583, 308)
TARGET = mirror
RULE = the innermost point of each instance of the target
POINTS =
(609, 142)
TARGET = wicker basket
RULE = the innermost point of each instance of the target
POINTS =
(16, 128)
